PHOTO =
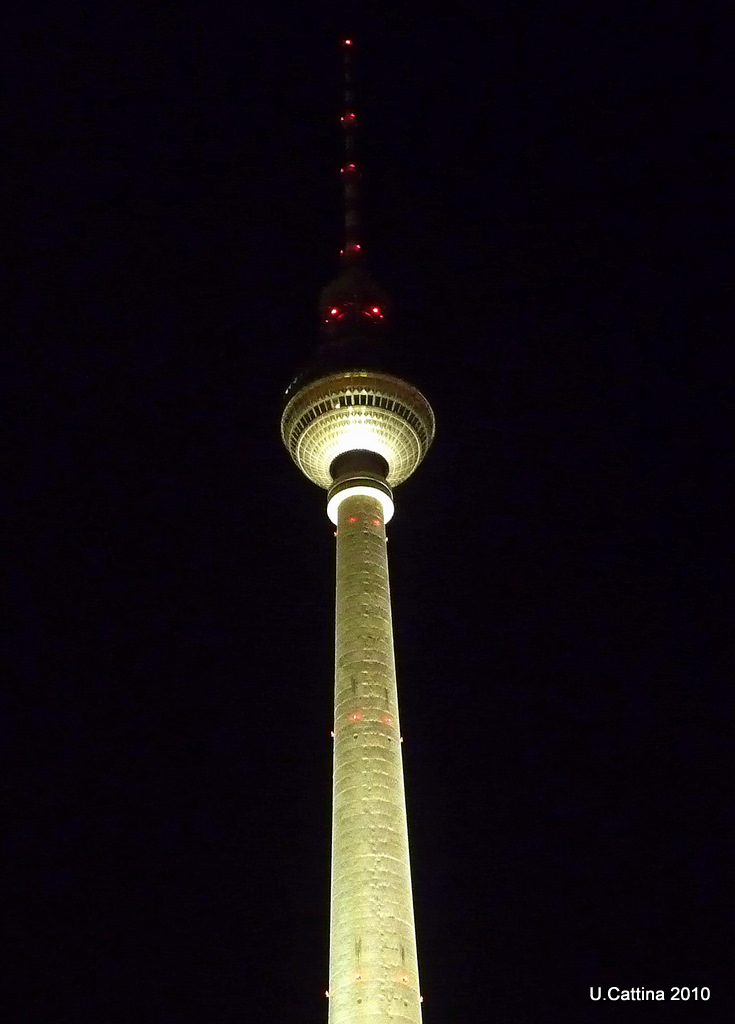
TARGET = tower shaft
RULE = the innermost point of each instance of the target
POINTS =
(373, 971)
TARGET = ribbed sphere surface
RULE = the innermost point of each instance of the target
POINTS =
(357, 409)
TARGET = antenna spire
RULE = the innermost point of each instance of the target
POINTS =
(353, 307)
(349, 171)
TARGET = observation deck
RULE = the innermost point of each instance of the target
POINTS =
(357, 409)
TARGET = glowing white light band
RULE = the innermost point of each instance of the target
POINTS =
(373, 492)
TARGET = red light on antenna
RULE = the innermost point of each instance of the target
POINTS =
(333, 311)
(347, 42)
(348, 116)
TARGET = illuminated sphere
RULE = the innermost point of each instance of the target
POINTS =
(357, 409)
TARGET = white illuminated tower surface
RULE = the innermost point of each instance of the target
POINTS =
(357, 431)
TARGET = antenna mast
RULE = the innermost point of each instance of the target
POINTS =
(349, 170)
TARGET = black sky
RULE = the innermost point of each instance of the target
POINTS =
(542, 190)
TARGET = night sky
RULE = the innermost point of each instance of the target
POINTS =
(542, 192)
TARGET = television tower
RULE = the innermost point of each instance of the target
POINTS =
(358, 430)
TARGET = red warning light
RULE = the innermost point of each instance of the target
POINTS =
(347, 42)
(348, 116)
(333, 311)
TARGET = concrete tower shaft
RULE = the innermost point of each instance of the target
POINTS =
(373, 973)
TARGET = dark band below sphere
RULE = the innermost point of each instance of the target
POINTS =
(357, 463)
